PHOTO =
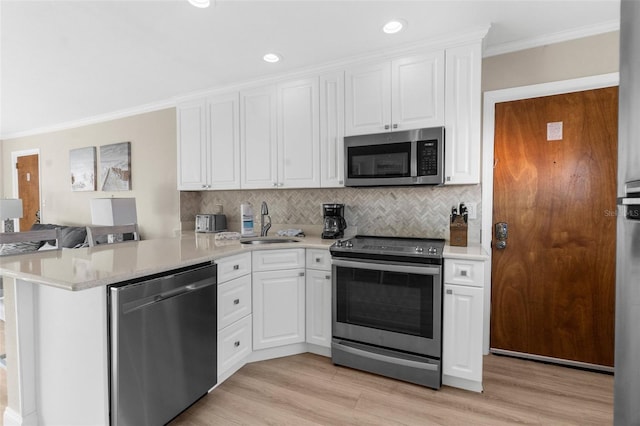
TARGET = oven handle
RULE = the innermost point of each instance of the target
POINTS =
(389, 359)
(387, 267)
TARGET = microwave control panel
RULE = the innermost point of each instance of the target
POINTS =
(427, 158)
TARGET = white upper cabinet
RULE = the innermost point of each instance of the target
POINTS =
(259, 150)
(332, 129)
(298, 134)
(209, 144)
(462, 115)
(223, 115)
(402, 94)
(192, 146)
(280, 135)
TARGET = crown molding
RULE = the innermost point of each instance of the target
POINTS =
(573, 34)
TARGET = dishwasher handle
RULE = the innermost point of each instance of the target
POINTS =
(169, 294)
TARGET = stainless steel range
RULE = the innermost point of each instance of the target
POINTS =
(387, 307)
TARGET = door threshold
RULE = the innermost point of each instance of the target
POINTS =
(552, 360)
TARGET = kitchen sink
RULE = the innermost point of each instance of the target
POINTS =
(269, 240)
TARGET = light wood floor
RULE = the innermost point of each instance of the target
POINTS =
(308, 389)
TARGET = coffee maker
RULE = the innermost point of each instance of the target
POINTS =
(334, 223)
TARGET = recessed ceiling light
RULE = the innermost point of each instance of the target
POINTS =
(271, 57)
(200, 3)
(393, 26)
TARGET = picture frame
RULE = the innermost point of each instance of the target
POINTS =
(115, 167)
(82, 168)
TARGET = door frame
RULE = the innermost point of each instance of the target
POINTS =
(14, 174)
(491, 98)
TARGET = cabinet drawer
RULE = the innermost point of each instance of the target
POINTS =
(234, 300)
(273, 260)
(319, 259)
(233, 267)
(464, 272)
(234, 344)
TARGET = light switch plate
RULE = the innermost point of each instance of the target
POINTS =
(472, 210)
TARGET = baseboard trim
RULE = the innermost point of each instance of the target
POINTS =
(552, 360)
(13, 418)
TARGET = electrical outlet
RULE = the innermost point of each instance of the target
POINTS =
(472, 210)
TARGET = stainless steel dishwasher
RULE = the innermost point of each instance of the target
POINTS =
(162, 344)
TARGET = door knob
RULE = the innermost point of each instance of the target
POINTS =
(501, 232)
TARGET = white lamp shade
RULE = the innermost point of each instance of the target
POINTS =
(113, 211)
(10, 208)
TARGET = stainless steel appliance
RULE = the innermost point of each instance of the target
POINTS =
(334, 223)
(163, 347)
(387, 307)
(211, 223)
(411, 157)
(627, 352)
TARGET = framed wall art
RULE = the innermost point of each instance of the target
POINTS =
(82, 165)
(115, 167)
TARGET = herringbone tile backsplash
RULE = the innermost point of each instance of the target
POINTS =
(411, 211)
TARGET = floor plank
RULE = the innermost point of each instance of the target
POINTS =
(308, 389)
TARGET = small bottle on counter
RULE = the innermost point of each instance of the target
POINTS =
(246, 218)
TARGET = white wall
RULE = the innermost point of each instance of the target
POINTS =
(153, 170)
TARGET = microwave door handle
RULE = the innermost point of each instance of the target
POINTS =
(414, 161)
(385, 267)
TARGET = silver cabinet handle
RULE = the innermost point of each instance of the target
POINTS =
(318, 259)
(236, 301)
(449, 291)
(327, 277)
(236, 267)
(395, 126)
(301, 274)
(236, 343)
(386, 127)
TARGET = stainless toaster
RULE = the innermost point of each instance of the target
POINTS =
(211, 223)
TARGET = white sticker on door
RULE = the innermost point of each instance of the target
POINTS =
(554, 131)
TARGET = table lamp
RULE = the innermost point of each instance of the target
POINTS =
(10, 208)
(113, 211)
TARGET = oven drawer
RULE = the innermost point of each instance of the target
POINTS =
(275, 260)
(464, 272)
(319, 259)
(234, 300)
(233, 267)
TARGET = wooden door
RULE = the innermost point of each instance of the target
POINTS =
(553, 286)
(29, 190)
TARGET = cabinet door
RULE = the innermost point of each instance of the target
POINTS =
(462, 332)
(192, 146)
(298, 134)
(278, 308)
(318, 313)
(417, 92)
(462, 115)
(332, 130)
(368, 99)
(258, 138)
(224, 136)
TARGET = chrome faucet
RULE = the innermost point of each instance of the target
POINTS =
(264, 211)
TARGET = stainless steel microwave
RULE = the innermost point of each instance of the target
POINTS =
(410, 157)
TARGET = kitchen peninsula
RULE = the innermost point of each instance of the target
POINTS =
(57, 320)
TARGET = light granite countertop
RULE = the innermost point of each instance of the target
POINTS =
(84, 268)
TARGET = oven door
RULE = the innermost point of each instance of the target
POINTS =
(390, 305)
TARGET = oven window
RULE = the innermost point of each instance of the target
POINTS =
(380, 161)
(390, 301)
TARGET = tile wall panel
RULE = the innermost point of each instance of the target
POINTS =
(404, 211)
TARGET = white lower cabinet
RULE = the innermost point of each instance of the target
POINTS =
(278, 298)
(234, 313)
(462, 324)
(318, 297)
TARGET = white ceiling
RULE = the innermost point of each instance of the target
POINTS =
(64, 63)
